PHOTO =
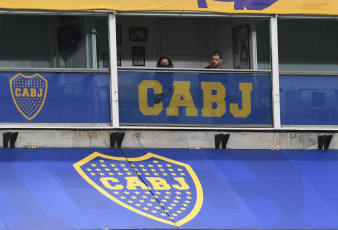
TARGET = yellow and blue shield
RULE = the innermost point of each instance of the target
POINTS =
(29, 94)
(151, 185)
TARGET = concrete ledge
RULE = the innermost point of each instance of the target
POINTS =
(167, 139)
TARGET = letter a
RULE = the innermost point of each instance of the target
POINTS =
(133, 181)
(182, 90)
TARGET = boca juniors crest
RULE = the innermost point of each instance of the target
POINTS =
(154, 186)
(29, 93)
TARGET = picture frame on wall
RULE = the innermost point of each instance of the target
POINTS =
(241, 47)
(119, 60)
(118, 35)
(138, 56)
(138, 34)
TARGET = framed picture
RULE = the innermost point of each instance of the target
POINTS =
(138, 56)
(118, 59)
(105, 59)
(241, 47)
(138, 34)
(118, 35)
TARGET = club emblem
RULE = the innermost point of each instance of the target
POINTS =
(29, 94)
(154, 186)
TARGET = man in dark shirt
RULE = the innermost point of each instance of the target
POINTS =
(216, 60)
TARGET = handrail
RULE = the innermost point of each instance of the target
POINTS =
(55, 70)
(192, 70)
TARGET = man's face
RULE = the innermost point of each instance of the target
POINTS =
(215, 62)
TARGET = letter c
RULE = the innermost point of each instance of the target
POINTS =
(106, 182)
(17, 92)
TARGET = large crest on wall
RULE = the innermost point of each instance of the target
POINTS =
(29, 94)
(159, 188)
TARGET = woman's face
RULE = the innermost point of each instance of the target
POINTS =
(164, 63)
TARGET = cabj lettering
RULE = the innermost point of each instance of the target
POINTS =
(31, 92)
(133, 183)
(214, 103)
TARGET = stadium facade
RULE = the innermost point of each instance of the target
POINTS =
(95, 136)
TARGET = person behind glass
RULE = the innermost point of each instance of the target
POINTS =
(216, 60)
(165, 62)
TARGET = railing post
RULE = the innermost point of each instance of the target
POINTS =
(113, 71)
(275, 73)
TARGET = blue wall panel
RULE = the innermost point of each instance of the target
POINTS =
(309, 100)
(130, 90)
(69, 98)
(242, 189)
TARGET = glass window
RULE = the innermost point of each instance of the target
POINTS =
(42, 41)
(308, 45)
(263, 45)
(190, 41)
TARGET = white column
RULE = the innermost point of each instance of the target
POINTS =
(275, 73)
(253, 51)
(113, 71)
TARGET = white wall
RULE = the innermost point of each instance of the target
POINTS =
(152, 45)
(180, 40)
(188, 41)
(30, 41)
(225, 42)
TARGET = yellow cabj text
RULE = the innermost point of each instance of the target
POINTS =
(31, 92)
(133, 183)
(182, 97)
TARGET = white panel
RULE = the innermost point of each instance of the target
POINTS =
(113, 71)
(275, 73)
(180, 40)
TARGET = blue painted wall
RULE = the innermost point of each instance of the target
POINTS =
(85, 98)
(309, 100)
(242, 189)
(130, 89)
(70, 98)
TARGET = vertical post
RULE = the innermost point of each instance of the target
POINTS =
(113, 71)
(94, 51)
(253, 45)
(275, 73)
(91, 51)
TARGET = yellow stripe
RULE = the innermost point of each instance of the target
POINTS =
(315, 7)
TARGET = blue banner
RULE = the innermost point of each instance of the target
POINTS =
(54, 98)
(168, 189)
(195, 98)
(309, 100)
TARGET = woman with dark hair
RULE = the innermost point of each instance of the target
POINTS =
(165, 62)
